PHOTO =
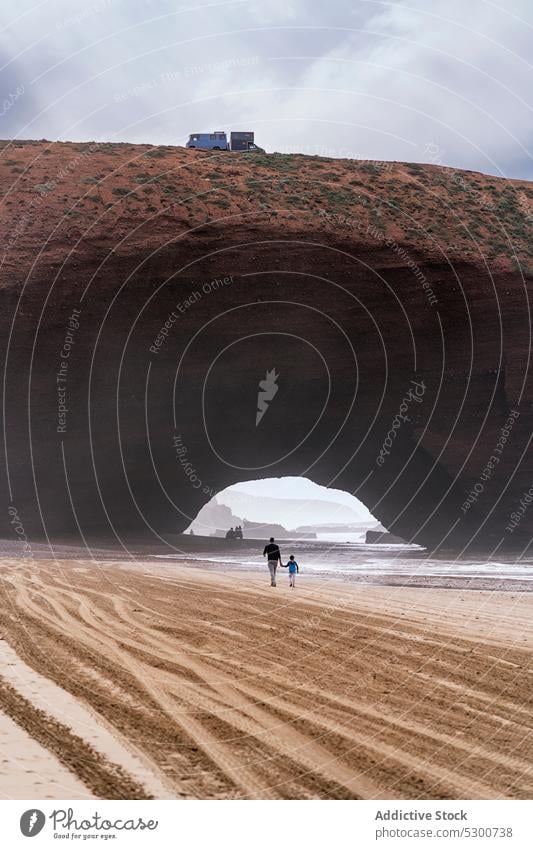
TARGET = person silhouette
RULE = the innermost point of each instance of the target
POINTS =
(273, 554)
(293, 571)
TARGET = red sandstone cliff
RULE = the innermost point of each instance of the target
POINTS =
(356, 281)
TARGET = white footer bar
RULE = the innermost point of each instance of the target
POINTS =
(268, 825)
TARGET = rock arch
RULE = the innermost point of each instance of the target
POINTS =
(137, 335)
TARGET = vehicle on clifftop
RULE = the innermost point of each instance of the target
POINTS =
(239, 141)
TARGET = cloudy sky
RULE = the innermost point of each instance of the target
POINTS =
(421, 80)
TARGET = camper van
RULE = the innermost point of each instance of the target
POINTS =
(239, 141)
(209, 141)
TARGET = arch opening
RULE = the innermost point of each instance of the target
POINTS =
(293, 508)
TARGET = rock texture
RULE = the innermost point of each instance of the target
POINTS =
(382, 538)
(146, 292)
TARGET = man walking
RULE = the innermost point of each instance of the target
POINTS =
(273, 554)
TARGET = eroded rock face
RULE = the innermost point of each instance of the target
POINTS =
(148, 294)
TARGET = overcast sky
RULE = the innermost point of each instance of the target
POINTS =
(420, 80)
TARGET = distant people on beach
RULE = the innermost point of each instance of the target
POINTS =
(234, 533)
(293, 569)
(273, 554)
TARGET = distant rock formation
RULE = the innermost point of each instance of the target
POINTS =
(214, 518)
(258, 530)
(289, 512)
(146, 293)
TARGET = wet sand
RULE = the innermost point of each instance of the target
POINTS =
(223, 687)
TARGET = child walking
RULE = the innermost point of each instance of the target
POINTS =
(293, 569)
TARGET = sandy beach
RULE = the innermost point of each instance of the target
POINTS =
(188, 682)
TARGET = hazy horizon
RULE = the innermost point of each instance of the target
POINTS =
(296, 487)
